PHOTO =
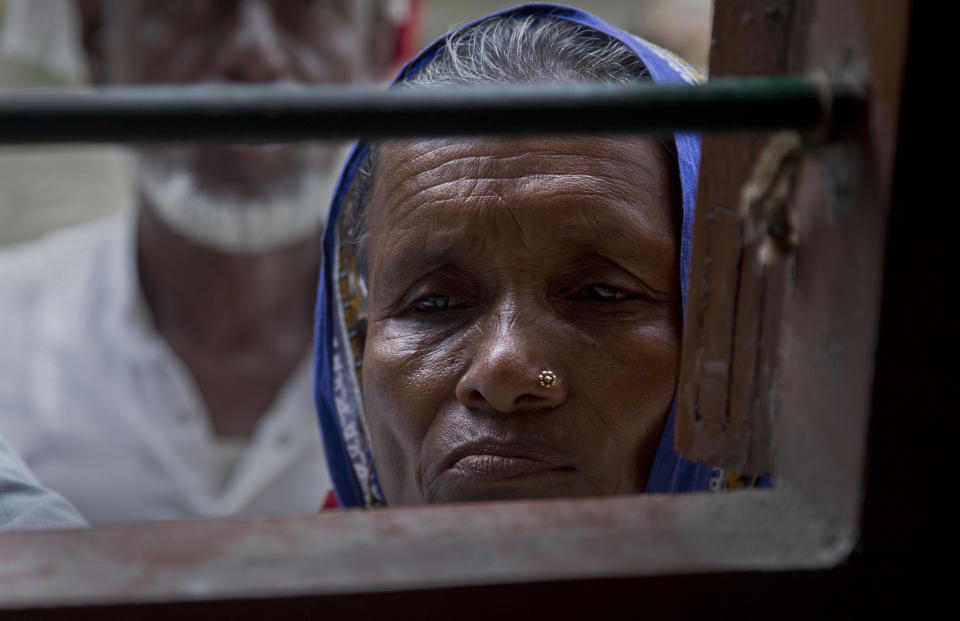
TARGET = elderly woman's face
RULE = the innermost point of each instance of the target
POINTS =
(491, 261)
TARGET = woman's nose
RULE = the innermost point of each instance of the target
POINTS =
(253, 51)
(513, 369)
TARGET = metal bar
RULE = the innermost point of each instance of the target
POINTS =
(227, 113)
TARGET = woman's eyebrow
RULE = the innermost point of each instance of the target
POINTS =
(410, 261)
(639, 239)
(649, 254)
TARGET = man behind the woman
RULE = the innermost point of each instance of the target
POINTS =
(156, 364)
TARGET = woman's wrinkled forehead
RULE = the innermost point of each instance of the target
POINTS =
(447, 199)
(517, 171)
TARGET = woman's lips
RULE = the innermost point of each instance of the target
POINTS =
(496, 467)
(495, 463)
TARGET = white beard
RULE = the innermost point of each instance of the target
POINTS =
(236, 225)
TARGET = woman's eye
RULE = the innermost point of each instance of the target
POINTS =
(603, 293)
(436, 303)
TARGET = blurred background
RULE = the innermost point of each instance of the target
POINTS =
(44, 188)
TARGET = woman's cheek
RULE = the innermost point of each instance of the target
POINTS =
(389, 366)
(414, 360)
(405, 386)
(390, 424)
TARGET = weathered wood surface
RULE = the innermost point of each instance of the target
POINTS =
(730, 345)
(779, 356)
(404, 549)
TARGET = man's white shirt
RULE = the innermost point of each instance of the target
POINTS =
(104, 413)
(27, 505)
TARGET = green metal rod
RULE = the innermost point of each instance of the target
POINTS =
(227, 113)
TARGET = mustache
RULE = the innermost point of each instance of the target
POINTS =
(235, 225)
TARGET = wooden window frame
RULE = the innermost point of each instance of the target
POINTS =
(833, 308)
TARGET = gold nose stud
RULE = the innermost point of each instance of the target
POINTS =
(547, 379)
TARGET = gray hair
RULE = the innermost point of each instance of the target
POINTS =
(503, 50)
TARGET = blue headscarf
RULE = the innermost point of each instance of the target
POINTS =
(339, 302)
